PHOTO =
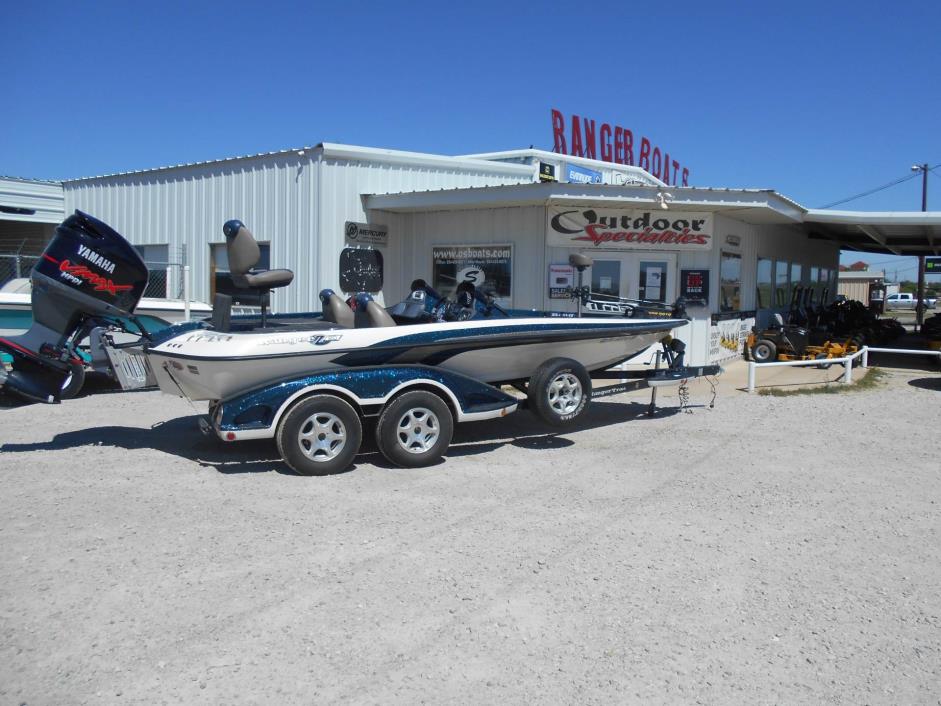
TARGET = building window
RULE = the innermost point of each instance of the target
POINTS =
(157, 259)
(488, 266)
(606, 277)
(826, 287)
(780, 283)
(814, 284)
(730, 274)
(765, 283)
(220, 278)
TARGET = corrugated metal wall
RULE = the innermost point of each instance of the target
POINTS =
(298, 203)
(185, 207)
(524, 228)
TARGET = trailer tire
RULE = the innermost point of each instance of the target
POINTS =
(823, 366)
(559, 391)
(764, 351)
(73, 383)
(414, 429)
(320, 435)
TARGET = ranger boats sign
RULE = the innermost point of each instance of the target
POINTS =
(613, 229)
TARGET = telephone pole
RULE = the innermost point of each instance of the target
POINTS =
(920, 304)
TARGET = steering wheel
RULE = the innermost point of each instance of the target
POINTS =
(453, 311)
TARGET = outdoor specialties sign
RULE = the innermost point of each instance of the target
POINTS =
(612, 229)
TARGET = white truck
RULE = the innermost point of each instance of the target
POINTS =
(906, 300)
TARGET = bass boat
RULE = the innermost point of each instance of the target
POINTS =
(309, 381)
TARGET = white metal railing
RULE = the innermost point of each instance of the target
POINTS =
(846, 361)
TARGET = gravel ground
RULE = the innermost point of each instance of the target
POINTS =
(770, 550)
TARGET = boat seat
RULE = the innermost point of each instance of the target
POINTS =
(335, 310)
(375, 316)
(244, 254)
(378, 317)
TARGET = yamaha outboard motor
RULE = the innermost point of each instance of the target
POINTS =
(86, 271)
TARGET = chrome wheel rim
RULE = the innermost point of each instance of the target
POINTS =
(418, 430)
(565, 393)
(322, 437)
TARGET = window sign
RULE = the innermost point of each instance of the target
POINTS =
(694, 286)
(481, 265)
(561, 279)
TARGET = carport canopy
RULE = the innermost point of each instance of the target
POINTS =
(909, 233)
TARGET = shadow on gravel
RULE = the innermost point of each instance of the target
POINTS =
(181, 437)
(927, 383)
(95, 384)
(525, 430)
(177, 437)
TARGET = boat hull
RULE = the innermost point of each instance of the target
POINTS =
(206, 365)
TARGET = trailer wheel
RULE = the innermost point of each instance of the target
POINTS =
(559, 391)
(319, 435)
(414, 429)
(764, 351)
(73, 382)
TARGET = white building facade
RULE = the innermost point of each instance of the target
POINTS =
(515, 216)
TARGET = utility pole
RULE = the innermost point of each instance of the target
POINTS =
(920, 303)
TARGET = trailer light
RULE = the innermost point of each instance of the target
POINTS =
(230, 436)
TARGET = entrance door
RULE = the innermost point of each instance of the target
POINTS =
(633, 275)
(609, 275)
(652, 281)
(656, 278)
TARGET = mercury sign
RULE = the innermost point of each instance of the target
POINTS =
(611, 229)
(366, 234)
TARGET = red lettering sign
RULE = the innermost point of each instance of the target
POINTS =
(614, 145)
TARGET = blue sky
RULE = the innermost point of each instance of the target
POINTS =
(818, 100)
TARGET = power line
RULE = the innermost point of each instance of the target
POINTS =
(872, 191)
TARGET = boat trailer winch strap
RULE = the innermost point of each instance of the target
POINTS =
(166, 366)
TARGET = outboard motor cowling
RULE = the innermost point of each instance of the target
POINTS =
(86, 270)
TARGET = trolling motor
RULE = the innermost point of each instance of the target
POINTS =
(87, 271)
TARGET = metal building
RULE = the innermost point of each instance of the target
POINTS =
(738, 254)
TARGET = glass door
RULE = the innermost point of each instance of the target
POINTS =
(652, 283)
(609, 275)
(656, 278)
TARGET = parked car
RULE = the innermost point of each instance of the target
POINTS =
(905, 300)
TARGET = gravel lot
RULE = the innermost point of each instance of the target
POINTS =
(770, 550)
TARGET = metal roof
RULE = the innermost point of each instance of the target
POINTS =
(757, 206)
(889, 232)
(31, 200)
(337, 151)
(894, 232)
